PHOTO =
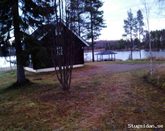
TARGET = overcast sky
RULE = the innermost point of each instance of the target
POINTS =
(115, 11)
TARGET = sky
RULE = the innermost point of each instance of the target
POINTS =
(115, 11)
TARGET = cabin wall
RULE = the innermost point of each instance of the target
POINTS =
(48, 41)
(40, 58)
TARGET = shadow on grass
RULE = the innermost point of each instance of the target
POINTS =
(16, 85)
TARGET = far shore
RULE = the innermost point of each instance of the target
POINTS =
(102, 49)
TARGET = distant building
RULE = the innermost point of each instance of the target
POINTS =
(108, 54)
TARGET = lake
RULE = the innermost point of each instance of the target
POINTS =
(122, 55)
(4, 61)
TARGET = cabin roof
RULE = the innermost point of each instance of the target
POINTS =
(42, 31)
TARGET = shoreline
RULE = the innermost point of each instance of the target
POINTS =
(5, 69)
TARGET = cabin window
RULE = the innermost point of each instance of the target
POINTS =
(57, 33)
(30, 61)
(59, 50)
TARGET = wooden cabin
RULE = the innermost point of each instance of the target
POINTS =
(51, 48)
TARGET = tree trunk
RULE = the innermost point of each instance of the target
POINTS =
(79, 28)
(140, 53)
(131, 57)
(20, 70)
(92, 40)
(140, 46)
(93, 51)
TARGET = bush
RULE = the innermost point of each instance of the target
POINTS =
(158, 78)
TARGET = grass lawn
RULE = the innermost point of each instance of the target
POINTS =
(101, 101)
(141, 61)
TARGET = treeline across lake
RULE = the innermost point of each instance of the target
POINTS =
(157, 39)
(157, 42)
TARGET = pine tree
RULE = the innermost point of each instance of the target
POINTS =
(17, 16)
(140, 25)
(76, 11)
(130, 27)
(94, 21)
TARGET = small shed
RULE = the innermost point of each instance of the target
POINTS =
(106, 55)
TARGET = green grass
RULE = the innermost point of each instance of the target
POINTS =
(142, 61)
(136, 61)
(97, 102)
(7, 79)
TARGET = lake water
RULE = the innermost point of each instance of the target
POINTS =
(4, 62)
(122, 55)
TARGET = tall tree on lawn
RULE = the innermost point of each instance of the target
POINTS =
(94, 21)
(18, 16)
(129, 27)
(74, 12)
(140, 25)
